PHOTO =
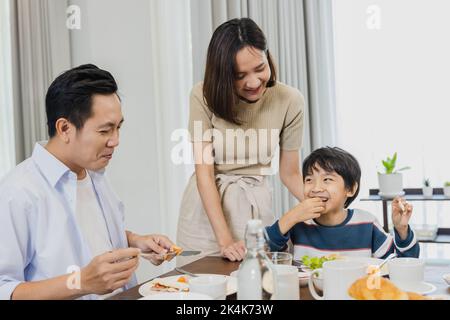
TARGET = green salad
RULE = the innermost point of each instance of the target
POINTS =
(316, 262)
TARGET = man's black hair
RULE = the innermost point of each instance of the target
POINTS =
(333, 159)
(70, 95)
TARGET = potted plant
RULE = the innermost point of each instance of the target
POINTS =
(391, 181)
(447, 189)
(427, 189)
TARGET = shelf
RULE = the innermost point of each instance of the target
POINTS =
(412, 194)
(441, 238)
(410, 197)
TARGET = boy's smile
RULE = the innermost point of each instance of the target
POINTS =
(329, 187)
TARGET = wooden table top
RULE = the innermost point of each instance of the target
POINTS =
(218, 265)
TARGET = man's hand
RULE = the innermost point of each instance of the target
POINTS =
(109, 271)
(157, 244)
(235, 251)
(401, 214)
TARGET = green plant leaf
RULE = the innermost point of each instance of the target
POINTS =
(404, 168)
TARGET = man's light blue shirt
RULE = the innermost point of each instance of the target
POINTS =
(39, 234)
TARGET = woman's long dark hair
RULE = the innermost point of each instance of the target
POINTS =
(220, 74)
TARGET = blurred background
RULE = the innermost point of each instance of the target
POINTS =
(375, 75)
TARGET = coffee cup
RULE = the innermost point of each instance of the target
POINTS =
(407, 273)
(338, 276)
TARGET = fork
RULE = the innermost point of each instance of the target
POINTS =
(389, 257)
(185, 272)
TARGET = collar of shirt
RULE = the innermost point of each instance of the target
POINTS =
(52, 168)
(63, 180)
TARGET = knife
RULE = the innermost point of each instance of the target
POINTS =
(169, 255)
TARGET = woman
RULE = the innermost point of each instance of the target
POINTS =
(239, 115)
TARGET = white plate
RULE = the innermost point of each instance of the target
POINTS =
(438, 297)
(176, 296)
(145, 289)
(423, 288)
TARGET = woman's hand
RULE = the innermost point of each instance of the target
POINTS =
(234, 251)
(401, 214)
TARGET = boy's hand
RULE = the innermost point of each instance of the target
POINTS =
(401, 213)
(308, 209)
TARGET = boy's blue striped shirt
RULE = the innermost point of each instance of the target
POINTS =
(359, 235)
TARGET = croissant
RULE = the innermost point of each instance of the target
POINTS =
(379, 288)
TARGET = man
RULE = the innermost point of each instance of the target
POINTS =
(58, 213)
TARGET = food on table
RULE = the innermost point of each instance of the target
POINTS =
(317, 262)
(379, 288)
(170, 285)
(173, 252)
(176, 249)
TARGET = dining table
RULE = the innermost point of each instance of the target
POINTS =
(434, 271)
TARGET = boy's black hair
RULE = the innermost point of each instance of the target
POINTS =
(70, 95)
(340, 161)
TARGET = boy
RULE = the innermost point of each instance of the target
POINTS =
(322, 224)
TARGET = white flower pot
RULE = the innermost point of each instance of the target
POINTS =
(447, 192)
(427, 192)
(391, 185)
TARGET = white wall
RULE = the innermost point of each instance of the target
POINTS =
(121, 37)
(392, 91)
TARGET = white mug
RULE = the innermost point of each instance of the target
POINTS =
(406, 273)
(288, 285)
(338, 276)
(214, 286)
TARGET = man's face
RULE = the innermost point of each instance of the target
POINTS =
(93, 145)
